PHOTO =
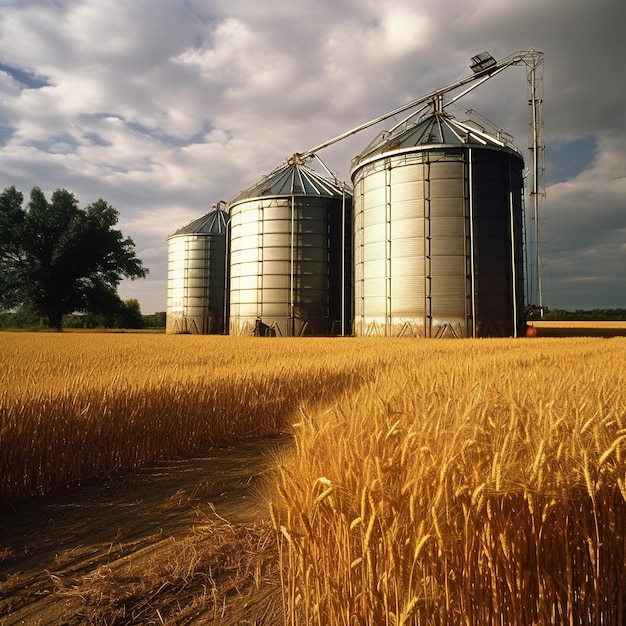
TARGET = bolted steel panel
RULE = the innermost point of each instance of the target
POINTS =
(375, 233)
(447, 207)
(448, 265)
(274, 296)
(413, 248)
(374, 250)
(407, 267)
(408, 176)
(376, 268)
(408, 228)
(375, 305)
(447, 227)
(442, 245)
(404, 209)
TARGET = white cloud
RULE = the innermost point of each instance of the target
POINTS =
(405, 30)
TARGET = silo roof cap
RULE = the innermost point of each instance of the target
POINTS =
(294, 178)
(436, 129)
(213, 223)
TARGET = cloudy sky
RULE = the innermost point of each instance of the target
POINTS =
(164, 107)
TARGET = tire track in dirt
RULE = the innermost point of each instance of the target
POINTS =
(64, 560)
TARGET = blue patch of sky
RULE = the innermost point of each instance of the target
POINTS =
(25, 78)
(59, 144)
(172, 140)
(6, 132)
(96, 140)
(566, 159)
(150, 131)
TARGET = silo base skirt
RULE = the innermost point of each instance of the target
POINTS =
(493, 328)
(275, 327)
(414, 329)
(193, 325)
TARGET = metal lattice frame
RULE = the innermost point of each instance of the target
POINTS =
(539, 287)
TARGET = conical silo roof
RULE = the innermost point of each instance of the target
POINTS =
(293, 178)
(213, 223)
(436, 129)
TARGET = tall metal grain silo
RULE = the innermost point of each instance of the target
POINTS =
(438, 232)
(290, 263)
(196, 272)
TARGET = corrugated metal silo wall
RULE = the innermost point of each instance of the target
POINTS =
(286, 265)
(196, 283)
(414, 268)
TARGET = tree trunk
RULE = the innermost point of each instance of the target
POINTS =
(55, 320)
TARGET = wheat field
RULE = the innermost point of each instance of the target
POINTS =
(478, 482)
(431, 482)
(77, 406)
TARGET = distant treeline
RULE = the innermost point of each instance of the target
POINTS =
(127, 316)
(581, 315)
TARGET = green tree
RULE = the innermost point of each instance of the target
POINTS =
(155, 320)
(116, 314)
(130, 314)
(56, 258)
(20, 318)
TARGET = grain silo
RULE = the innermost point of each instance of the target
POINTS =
(438, 232)
(290, 264)
(196, 272)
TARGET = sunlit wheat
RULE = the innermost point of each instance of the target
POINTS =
(473, 483)
(431, 482)
(75, 407)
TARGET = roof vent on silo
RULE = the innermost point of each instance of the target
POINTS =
(214, 222)
(436, 128)
(293, 177)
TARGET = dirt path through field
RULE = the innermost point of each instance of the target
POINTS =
(186, 542)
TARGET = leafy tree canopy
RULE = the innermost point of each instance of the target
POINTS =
(56, 258)
(120, 314)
